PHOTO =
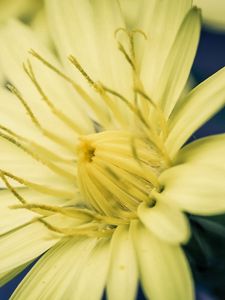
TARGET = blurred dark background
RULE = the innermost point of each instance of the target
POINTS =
(207, 247)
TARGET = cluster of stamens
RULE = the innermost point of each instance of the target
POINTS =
(116, 169)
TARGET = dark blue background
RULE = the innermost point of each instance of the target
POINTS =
(210, 58)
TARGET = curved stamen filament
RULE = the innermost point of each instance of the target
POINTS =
(130, 34)
(35, 121)
(103, 117)
(91, 230)
(39, 187)
(149, 129)
(65, 119)
(47, 163)
(163, 123)
(73, 212)
(100, 90)
(38, 148)
(13, 191)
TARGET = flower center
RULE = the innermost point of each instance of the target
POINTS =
(116, 171)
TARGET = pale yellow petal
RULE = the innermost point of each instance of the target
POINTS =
(56, 89)
(179, 62)
(92, 41)
(40, 26)
(23, 245)
(123, 276)
(75, 267)
(160, 21)
(195, 109)
(18, 163)
(166, 221)
(93, 275)
(209, 151)
(12, 218)
(196, 188)
(164, 271)
(14, 118)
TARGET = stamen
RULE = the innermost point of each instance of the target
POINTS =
(101, 113)
(130, 34)
(91, 230)
(73, 212)
(13, 191)
(130, 60)
(37, 147)
(163, 123)
(74, 61)
(45, 132)
(148, 127)
(47, 163)
(42, 188)
(65, 119)
(99, 88)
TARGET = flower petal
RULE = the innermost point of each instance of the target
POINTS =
(196, 108)
(179, 61)
(18, 163)
(57, 91)
(209, 151)
(12, 218)
(97, 50)
(160, 21)
(196, 188)
(165, 221)
(197, 183)
(123, 277)
(24, 245)
(164, 270)
(68, 271)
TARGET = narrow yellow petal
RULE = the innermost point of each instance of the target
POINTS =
(123, 276)
(196, 108)
(179, 61)
(164, 270)
(160, 21)
(24, 245)
(73, 269)
(208, 151)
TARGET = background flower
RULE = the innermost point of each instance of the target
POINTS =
(213, 13)
(23, 9)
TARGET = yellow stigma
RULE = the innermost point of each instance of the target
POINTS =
(117, 171)
(86, 150)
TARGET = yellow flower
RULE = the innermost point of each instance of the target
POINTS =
(91, 156)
